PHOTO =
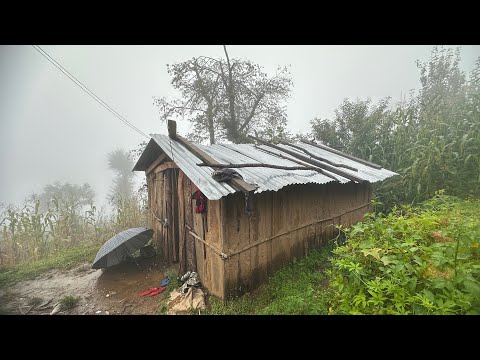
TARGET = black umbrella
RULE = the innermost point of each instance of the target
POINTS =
(121, 246)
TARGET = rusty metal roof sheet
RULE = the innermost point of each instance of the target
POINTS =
(265, 178)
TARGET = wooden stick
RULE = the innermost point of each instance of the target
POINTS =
(155, 163)
(238, 183)
(172, 129)
(295, 161)
(259, 165)
(311, 161)
(318, 157)
(351, 157)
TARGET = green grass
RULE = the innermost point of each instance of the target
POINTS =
(69, 302)
(414, 260)
(171, 272)
(298, 288)
(63, 260)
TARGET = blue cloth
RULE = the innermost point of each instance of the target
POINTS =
(165, 281)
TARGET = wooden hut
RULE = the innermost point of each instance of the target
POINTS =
(286, 202)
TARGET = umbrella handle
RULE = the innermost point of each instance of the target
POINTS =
(126, 250)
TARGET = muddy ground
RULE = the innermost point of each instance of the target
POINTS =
(113, 291)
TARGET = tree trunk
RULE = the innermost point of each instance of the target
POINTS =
(211, 129)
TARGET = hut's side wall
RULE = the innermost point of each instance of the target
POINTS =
(208, 226)
(283, 216)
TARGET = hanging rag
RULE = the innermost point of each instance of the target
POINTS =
(200, 202)
(225, 174)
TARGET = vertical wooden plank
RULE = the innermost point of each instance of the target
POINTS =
(264, 219)
(182, 256)
(167, 214)
(150, 188)
(213, 263)
(198, 229)
(255, 275)
(270, 224)
(158, 208)
(222, 234)
(174, 179)
(244, 240)
(232, 229)
(206, 250)
(190, 240)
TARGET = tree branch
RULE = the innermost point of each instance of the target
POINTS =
(259, 165)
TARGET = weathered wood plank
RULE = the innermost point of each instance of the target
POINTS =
(182, 255)
(175, 241)
(311, 161)
(169, 217)
(351, 157)
(243, 240)
(165, 166)
(255, 272)
(264, 219)
(159, 208)
(190, 241)
(160, 158)
(235, 166)
(198, 229)
(214, 264)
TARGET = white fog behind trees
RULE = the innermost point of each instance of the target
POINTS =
(51, 130)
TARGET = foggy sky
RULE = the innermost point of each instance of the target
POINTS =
(51, 130)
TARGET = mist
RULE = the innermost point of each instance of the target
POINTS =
(51, 130)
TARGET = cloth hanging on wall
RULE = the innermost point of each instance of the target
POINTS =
(200, 202)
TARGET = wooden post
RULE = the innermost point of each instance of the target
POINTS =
(182, 256)
(166, 211)
(174, 214)
(190, 240)
(159, 208)
(172, 129)
(351, 157)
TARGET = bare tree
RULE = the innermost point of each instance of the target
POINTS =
(228, 98)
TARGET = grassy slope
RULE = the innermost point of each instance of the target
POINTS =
(418, 244)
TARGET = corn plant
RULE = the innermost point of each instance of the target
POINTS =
(432, 139)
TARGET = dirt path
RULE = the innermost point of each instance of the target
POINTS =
(101, 292)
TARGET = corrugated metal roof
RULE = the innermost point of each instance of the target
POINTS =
(264, 178)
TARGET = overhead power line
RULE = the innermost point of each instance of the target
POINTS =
(89, 92)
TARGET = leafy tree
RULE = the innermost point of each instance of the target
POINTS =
(432, 139)
(120, 162)
(141, 192)
(227, 98)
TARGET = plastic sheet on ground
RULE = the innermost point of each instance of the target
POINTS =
(192, 299)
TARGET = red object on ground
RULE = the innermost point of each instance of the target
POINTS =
(149, 291)
(157, 291)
